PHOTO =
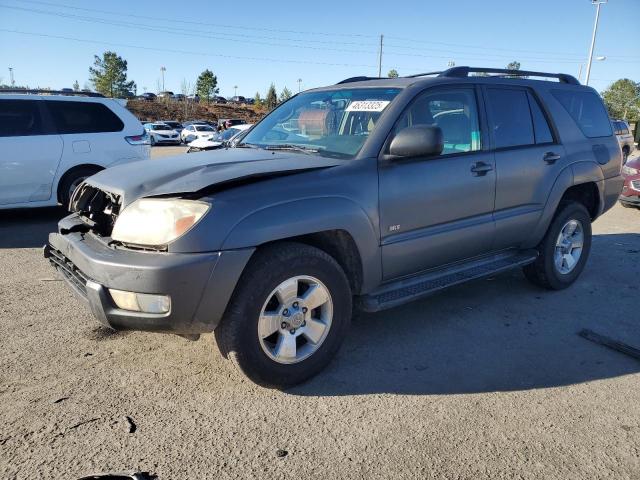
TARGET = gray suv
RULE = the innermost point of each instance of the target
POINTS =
(368, 194)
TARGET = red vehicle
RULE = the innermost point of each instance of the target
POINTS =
(630, 196)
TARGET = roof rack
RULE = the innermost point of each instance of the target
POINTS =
(358, 79)
(440, 72)
(465, 71)
(50, 92)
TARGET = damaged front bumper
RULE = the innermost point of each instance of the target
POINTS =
(199, 284)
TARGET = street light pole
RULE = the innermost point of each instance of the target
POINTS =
(162, 70)
(299, 84)
(13, 83)
(597, 3)
(235, 90)
(380, 57)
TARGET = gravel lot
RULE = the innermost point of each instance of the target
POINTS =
(486, 380)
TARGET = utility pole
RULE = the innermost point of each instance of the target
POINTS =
(597, 3)
(380, 57)
(299, 84)
(162, 70)
(235, 90)
(12, 81)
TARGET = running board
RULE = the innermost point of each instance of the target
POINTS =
(409, 289)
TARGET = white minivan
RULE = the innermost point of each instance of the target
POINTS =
(50, 143)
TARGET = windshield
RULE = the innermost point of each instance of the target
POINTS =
(160, 126)
(333, 123)
(204, 128)
(173, 124)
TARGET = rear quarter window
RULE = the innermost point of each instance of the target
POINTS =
(83, 117)
(587, 110)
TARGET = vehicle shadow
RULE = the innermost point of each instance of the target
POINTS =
(28, 227)
(498, 334)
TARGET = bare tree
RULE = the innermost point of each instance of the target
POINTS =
(186, 88)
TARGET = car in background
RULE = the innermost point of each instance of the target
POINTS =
(239, 99)
(52, 143)
(148, 96)
(625, 139)
(178, 97)
(226, 138)
(195, 131)
(250, 101)
(177, 126)
(165, 94)
(219, 99)
(630, 196)
(230, 122)
(162, 134)
(193, 97)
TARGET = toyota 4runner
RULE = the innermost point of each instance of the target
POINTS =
(369, 193)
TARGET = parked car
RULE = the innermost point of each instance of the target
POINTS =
(178, 97)
(625, 138)
(630, 196)
(195, 131)
(230, 122)
(177, 126)
(165, 94)
(162, 134)
(222, 139)
(239, 99)
(221, 100)
(148, 96)
(250, 101)
(50, 143)
(389, 190)
(194, 98)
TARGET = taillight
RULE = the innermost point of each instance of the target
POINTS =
(139, 139)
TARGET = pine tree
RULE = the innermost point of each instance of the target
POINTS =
(272, 97)
(207, 85)
(109, 75)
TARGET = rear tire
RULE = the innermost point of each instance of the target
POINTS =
(564, 249)
(272, 296)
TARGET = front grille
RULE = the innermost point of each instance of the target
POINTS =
(635, 184)
(67, 268)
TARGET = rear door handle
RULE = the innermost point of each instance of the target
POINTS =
(551, 157)
(480, 168)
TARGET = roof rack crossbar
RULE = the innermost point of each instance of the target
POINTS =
(415, 75)
(50, 92)
(465, 71)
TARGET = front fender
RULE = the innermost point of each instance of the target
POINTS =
(311, 215)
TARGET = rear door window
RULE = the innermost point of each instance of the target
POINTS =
(587, 110)
(510, 117)
(20, 118)
(83, 117)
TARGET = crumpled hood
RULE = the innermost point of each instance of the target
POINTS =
(195, 171)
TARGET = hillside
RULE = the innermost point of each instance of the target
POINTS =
(147, 111)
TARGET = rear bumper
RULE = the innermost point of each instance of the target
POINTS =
(199, 284)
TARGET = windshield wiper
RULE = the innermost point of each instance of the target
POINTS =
(292, 147)
(246, 145)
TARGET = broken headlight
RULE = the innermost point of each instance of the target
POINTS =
(155, 222)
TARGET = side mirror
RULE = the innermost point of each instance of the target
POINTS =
(417, 141)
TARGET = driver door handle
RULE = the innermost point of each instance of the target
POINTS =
(480, 168)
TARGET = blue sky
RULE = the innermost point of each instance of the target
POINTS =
(253, 43)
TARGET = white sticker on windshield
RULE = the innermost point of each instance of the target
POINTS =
(367, 106)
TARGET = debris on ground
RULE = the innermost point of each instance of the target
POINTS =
(121, 476)
(281, 453)
(610, 343)
(132, 425)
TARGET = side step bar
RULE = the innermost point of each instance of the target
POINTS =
(409, 289)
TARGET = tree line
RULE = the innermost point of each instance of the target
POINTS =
(108, 75)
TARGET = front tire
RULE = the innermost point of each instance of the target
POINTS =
(564, 249)
(71, 180)
(290, 312)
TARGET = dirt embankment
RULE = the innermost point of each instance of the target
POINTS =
(183, 111)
